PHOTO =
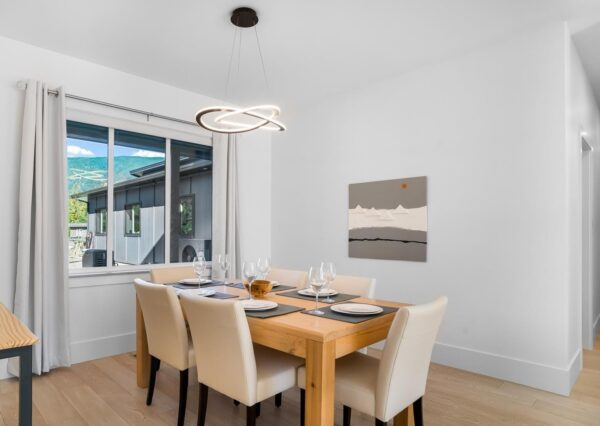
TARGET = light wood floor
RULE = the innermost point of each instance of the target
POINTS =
(104, 392)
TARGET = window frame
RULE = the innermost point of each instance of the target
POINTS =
(98, 213)
(131, 207)
(112, 119)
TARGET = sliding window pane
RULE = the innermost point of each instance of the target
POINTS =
(87, 179)
(139, 199)
(191, 201)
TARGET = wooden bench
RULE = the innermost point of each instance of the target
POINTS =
(17, 340)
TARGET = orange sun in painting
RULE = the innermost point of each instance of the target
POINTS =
(404, 185)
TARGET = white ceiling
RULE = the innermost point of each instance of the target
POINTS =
(311, 47)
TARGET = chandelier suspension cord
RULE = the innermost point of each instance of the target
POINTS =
(237, 75)
(262, 61)
(235, 34)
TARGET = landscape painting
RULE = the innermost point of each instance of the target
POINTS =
(388, 219)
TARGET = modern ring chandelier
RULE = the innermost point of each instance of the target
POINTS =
(229, 119)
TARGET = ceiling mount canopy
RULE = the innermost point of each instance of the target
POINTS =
(231, 119)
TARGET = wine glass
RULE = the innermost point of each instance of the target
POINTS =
(264, 266)
(316, 279)
(224, 263)
(329, 272)
(250, 273)
(199, 267)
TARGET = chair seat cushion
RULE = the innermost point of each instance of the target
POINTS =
(355, 381)
(276, 371)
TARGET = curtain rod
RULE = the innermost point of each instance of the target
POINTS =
(148, 114)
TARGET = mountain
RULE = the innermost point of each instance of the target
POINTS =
(88, 173)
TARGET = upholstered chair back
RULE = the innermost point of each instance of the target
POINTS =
(361, 286)
(406, 357)
(165, 325)
(224, 353)
(288, 277)
(171, 275)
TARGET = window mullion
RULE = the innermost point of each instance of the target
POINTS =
(110, 199)
(168, 201)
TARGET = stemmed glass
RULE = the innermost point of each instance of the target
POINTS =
(329, 272)
(316, 279)
(264, 266)
(250, 273)
(224, 263)
(199, 267)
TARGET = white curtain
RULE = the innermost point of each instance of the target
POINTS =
(42, 263)
(225, 238)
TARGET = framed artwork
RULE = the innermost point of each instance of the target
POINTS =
(388, 219)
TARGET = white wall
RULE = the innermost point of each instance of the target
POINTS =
(582, 116)
(21, 61)
(488, 129)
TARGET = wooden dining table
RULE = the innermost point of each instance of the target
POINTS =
(320, 341)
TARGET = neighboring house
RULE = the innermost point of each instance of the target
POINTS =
(139, 213)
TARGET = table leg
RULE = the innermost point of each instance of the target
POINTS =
(142, 356)
(405, 417)
(25, 386)
(320, 383)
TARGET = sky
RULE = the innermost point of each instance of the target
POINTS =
(81, 148)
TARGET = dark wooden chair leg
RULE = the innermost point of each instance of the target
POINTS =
(158, 366)
(257, 409)
(251, 415)
(183, 386)
(202, 403)
(25, 414)
(302, 405)
(418, 411)
(153, 367)
(347, 415)
(236, 402)
(278, 398)
(380, 423)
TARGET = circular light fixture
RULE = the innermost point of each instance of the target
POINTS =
(229, 119)
(261, 116)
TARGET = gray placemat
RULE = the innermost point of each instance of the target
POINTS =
(354, 319)
(340, 297)
(219, 295)
(279, 288)
(279, 310)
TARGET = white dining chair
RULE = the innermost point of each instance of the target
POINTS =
(171, 275)
(228, 362)
(383, 388)
(168, 339)
(360, 286)
(288, 277)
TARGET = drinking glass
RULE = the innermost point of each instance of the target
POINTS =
(316, 279)
(250, 273)
(329, 272)
(199, 266)
(224, 264)
(264, 266)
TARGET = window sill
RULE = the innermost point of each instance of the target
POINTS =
(125, 269)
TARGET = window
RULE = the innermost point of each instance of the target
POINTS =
(147, 197)
(101, 221)
(132, 220)
(186, 215)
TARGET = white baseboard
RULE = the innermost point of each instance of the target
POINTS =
(87, 350)
(596, 326)
(545, 377)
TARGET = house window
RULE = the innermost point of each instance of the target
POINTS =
(186, 215)
(133, 226)
(145, 196)
(101, 221)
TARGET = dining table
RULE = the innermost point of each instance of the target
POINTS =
(320, 341)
